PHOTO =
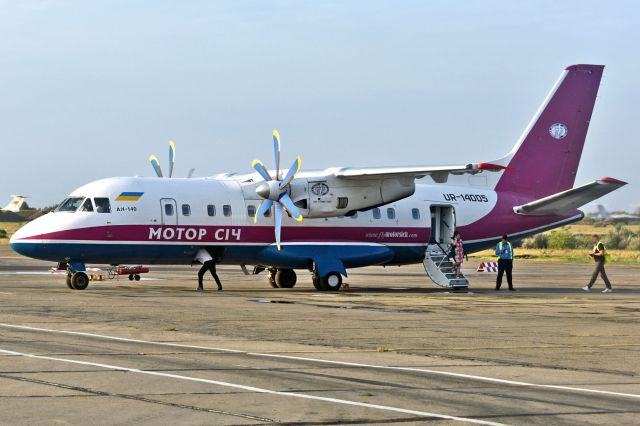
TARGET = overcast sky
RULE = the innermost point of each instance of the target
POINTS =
(88, 89)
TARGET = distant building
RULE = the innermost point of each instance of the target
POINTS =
(17, 204)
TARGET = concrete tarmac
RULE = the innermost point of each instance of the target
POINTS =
(394, 349)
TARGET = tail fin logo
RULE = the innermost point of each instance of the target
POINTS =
(558, 131)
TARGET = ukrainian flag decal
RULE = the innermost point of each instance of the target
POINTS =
(129, 196)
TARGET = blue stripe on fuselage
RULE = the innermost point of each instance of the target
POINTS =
(291, 256)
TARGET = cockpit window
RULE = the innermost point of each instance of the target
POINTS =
(71, 204)
(86, 206)
(102, 205)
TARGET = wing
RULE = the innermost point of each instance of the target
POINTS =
(439, 174)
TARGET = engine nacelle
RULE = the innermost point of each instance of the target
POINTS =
(329, 196)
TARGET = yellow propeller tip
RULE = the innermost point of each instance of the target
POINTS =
(254, 162)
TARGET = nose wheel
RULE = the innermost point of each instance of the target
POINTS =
(78, 280)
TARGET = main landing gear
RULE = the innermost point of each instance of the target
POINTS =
(282, 278)
(286, 278)
(330, 282)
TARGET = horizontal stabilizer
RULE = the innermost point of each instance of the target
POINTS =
(566, 201)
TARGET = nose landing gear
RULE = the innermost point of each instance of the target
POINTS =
(77, 279)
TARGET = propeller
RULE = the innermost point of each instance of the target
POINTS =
(172, 160)
(274, 192)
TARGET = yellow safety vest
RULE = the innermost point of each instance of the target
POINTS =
(605, 254)
(510, 250)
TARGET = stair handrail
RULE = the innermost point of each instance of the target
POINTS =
(445, 252)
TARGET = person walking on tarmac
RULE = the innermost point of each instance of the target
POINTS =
(599, 254)
(208, 264)
(504, 249)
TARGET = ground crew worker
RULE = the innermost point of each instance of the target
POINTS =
(208, 264)
(504, 249)
(599, 254)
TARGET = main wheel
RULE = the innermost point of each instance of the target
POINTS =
(136, 277)
(331, 282)
(79, 281)
(286, 278)
(271, 277)
(316, 282)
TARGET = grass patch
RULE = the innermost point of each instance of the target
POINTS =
(10, 228)
(618, 257)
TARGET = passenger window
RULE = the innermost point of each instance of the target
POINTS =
(226, 210)
(87, 206)
(376, 213)
(186, 210)
(267, 213)
(102, 205)
(415, 213)
(211, 210)
(168, 209)
(391, 213)
(251, 210)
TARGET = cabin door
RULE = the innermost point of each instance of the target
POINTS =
(169, 211)
(443, 223)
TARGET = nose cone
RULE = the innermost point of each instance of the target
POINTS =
(27, 240)
(21, 243)
(263, 190)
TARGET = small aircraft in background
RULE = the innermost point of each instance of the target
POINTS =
(327, 221)
(17, 204)
(603, 214)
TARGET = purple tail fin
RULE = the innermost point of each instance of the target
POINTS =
(545, 159)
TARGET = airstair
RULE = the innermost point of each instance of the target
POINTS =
(438, 267)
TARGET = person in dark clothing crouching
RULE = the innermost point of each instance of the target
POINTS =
(208, 264)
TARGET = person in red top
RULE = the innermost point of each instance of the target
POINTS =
(457, 253)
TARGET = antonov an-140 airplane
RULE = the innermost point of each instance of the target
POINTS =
(353, 217)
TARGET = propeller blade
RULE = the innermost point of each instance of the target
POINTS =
(260, 168)
(172, 157)
(278, 218)
(191, 171)
(276, 149)
(156, 165)
(293, 171)
(287, 202)
(264, 207)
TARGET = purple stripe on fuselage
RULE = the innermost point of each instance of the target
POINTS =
(238, 234)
